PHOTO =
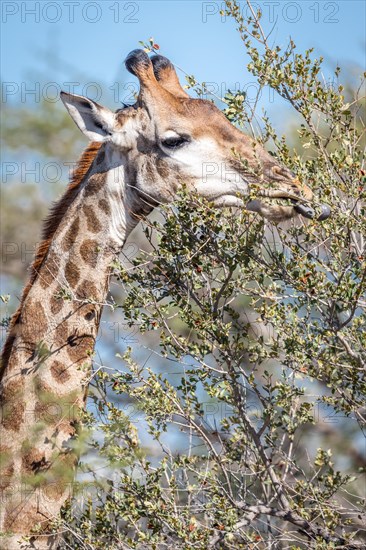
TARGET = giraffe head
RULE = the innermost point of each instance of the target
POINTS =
(167, 139)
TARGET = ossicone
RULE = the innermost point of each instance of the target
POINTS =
(138, 63)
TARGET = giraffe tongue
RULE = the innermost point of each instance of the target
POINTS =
(304, 210)
(308, 212)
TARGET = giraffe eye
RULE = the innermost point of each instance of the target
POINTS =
(174, 142)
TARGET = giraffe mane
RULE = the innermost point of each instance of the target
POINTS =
(50, 225)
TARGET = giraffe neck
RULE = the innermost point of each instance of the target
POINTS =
(45, 378)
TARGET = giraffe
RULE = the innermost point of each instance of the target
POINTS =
(138, 157)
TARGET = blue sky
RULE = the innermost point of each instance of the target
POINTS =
(87, 41)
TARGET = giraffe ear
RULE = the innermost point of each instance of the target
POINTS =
(96, 122)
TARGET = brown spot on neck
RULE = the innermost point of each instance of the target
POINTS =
(87, 290)
(93, 224)
(95, 184)
(49, 273)
(72, 273)
(89, 252)
(104, 205)
(34, 461)
(12, 414)
(56, 303)
(82, 348)
(60, 372)
(70, 235)
(34, 322)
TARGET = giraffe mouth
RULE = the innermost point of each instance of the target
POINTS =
(301, 205)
